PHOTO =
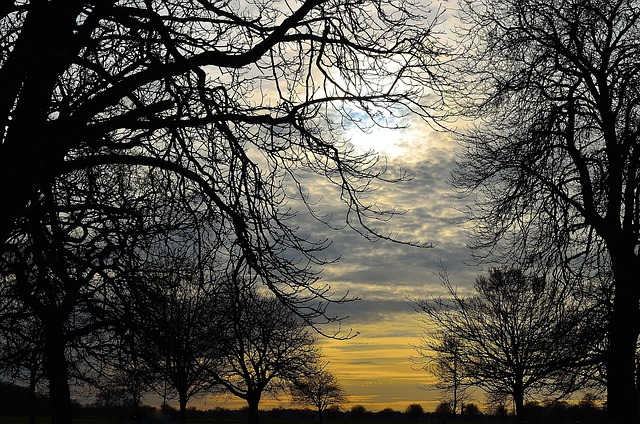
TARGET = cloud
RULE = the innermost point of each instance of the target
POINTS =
(375, 366)
(385, 274)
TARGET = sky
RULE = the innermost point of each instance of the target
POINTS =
(374, 366)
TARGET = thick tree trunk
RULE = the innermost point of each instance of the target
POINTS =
(183, 407)
(58, 376)
(31, 151)
(518, 400)
(622, 395)
(254, 401)
(624, 322)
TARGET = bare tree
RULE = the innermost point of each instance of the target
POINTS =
(180, 332)
(496, 404)
(232, 102)
(441, 355)
(21, 357)
(415, 412)
(318, 388)
(518, 335)
(69, 268)
(267, 346)
(554, 159)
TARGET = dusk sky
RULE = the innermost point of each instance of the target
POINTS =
(374, 366)
(178, 172)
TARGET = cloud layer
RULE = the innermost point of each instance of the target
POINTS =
(374, 366)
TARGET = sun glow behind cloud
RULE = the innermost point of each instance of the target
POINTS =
(374, 366)
(388, 143)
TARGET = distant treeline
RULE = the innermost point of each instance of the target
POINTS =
(14, 401)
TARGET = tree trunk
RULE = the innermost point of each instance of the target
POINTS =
(183, 409)
(58, 376)
(518, 400)
(622, 395)
(254, 401)
(320, 415)
(30, 154)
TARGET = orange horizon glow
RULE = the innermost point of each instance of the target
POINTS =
(374, 369)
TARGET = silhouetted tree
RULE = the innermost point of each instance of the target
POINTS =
(358, 412)
(68, 267)
(318, 388)
(178, 313)
(519, 334)
(140, 84)
(388, 414)
(415, 412)
(182, 338)
(497, 405)
(266, 346)
(58, 268)
(21, 356)
(471, 409)
(444, 361)
(129, 377)
(444, 408)
(157, 78)
(123, 388)
(553, 160)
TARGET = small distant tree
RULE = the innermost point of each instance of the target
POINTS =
(174, 314)
(181, 334)
(414, 411)
(497, 405)
(388, 414)
(124, 387)
(358, 412)
(440, 354)
(319, 389)
(444, 408)
(471, 409)
(588, 401)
